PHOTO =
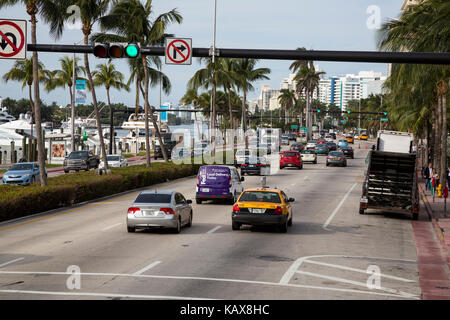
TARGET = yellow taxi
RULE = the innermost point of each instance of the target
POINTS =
(363, 136)
(263, 207)
(350, 139)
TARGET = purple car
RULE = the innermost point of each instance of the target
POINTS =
(218, 183)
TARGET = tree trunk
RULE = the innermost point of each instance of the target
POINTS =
(111, 124)
(37, 108)
(94, 102)
(437, 135)
(32, 117)
(443, 164)
(136, 111)
(230, 109)
(244, 112)
(213, 119)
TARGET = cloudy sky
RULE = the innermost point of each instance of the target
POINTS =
(249, 24)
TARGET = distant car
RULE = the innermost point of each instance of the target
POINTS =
(81, 160)
(336, 158)
(239, 157)
(23, 173)
(291, 159)
(356, 137)
(321, 141)
(363, 137)
(328, 138)
(297, 147)
(200, 149)
(332, 146)
(350, 139)
(285, 139)
(169, 146)
(342, 143)
(348, 151)
(293, 136)
(114, 161)
(311, 144)
(263, 207)
(309, 156)
(333, 135)
(321, 149)
(254, 165)
(161, 209)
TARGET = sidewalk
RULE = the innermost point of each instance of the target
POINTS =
(433, 246)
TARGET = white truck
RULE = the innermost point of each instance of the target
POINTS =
(390, 182)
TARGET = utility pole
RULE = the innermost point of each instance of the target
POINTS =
(359, 118)
(73, 102)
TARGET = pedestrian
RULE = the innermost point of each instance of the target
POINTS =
(448, 177)
(428, 175)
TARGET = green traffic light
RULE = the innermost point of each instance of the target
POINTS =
(348, 111)
(318, 111)
(385, 113)
(132, 51)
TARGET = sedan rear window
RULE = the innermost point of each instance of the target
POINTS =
(336, 154)
(153, 198)
(290, 154)
(260, 196)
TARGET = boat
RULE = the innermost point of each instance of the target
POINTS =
(5, 116)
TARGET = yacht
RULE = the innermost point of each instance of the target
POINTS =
(5, 116)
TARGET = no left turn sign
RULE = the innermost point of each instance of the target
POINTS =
(13, 39)
(178, 51)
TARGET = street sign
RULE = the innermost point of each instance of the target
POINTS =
(13, 39)
(85, 136)
(163, 114)
(303, 129)
(294, 126)
(80, 91)
(178, 51)
(384, 119)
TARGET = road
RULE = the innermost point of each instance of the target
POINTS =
(328, 253)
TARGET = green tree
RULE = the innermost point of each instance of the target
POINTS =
(287, 101)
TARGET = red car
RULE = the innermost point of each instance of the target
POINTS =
(291, 159)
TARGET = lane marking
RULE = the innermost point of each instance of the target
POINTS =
(276, 284)
(356, 283)
(114, 295)
(110, 227)
(10, 262)
(214, 229)
(335, 211)
(151, 265)
(337, 266)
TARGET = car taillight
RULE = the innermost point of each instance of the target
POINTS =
(259, 164)
(229, 178)
(133, 210)
(243, 165)
(198, 180)
(330, 157)
(278, 210)
(167, 210)
(342, 158)
(236, 208)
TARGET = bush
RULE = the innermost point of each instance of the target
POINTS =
(66, 190)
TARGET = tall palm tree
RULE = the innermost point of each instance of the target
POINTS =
(287, 101)
(247, 74)
(47, 9)
(106, 75)
(130, 21)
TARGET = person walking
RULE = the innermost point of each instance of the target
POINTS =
(428, 174)
(448, 177)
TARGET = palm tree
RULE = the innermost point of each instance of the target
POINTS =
(47, 9)
(106, 75)
(130, 22)
(287, 101)
(246, 74)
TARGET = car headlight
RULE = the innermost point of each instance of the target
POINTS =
(27, 175)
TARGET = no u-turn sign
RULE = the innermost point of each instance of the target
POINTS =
(13, 39)
(178, 51)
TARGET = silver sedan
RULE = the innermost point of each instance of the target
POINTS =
(162, 209)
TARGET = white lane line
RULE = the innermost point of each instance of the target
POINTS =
(214, 229)
(110, 227)
(338, 207)
(10, 262)
(356, 270)
(356, 283)
(151, 265)
(217, 280)
(113, 295)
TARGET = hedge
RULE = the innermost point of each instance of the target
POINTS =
(66, 190)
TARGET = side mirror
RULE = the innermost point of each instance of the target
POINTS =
(189, 201)
(242, 178)
(291, 200)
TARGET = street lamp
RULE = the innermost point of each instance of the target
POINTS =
(73, 97)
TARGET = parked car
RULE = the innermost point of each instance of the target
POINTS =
(216, 182)
(168, 146)
(263, 207)
(347, 151)
(332, 146)
(81, 160)
(297, 147)
(23, 173)
(291, 159)
(336, 158)
(161, 209)
(114, 161)
(309, 156)
(254, 165)
(321, 149)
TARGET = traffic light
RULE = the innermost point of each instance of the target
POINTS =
(348, 111)
(318, 110)
(385, 113)
(117, 50)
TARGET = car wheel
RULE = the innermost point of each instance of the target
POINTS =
(315, 161)
(198, 201)
(88, 167)
(131, 229)
(33, 179)
(235, 226)
(177, 229)
(66, 171)
(283, 227)
(328, 164)
(189, 224)
(281, 168)
(361, 211)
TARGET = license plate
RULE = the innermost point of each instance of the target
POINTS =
(150, 213)
(290, 165)
(252, 166)
(205, 189)
(335, 158)
(258, 210)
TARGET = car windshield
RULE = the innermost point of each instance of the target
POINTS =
(243, 152)
(78, 155)
(311, 141)
(153, 198)
(260, 196)
(21, 166)
(113, 158)
(290, 154)
(336, 154)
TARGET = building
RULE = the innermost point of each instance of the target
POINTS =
(266, 94)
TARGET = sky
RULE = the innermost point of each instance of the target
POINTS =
(244, 24)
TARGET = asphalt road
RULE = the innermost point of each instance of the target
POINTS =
(330, 252)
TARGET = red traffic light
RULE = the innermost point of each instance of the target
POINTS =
(116, 51)
(101, 50)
